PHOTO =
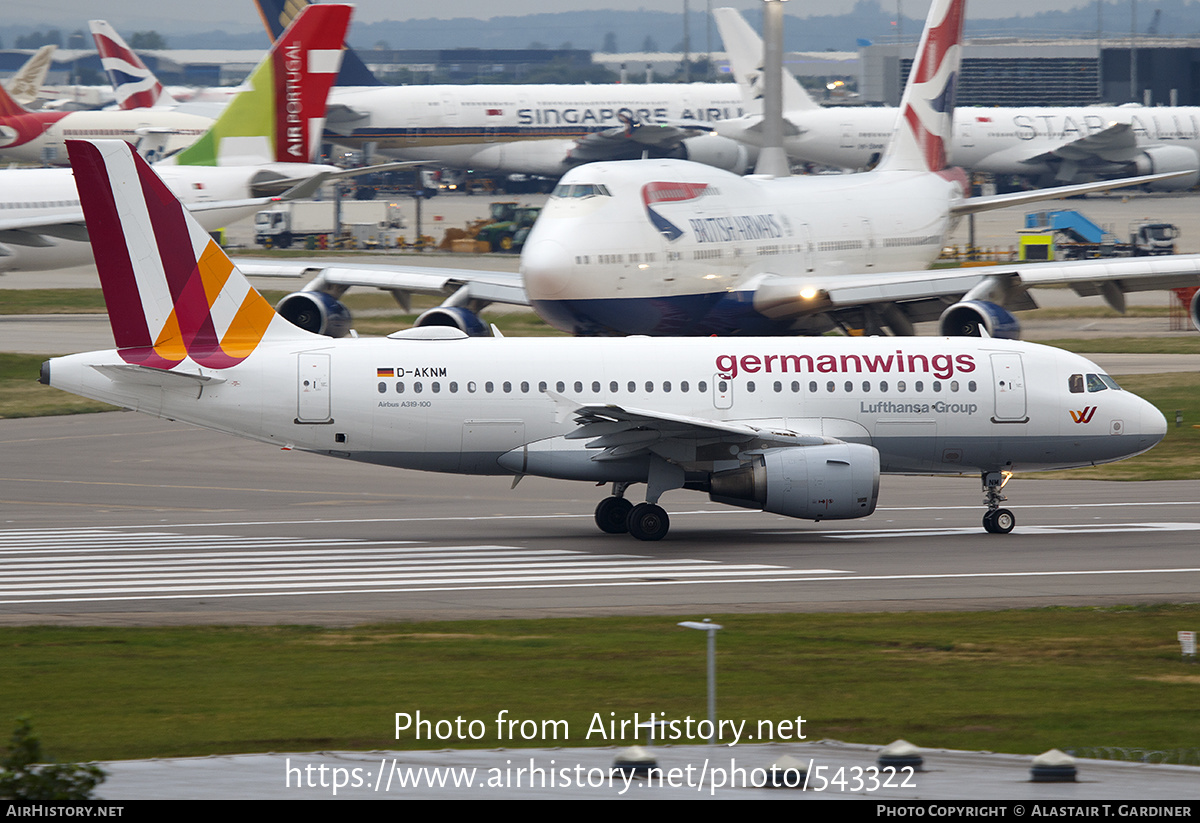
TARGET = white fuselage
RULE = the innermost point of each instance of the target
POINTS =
(37, 202)
(502, 406)
(1002, 141)
(525, 129)
(668, 247)
(39, 137)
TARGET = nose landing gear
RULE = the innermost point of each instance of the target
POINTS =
(996, 520)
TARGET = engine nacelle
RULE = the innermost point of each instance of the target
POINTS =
(1194, 311)
(317, 312)
(835, 482)
(1162, 159)
(971, 318)
(455, 317)
(720, 152)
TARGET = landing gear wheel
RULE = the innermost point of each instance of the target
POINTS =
(612, 514)
(1000, 521)
(648, 522)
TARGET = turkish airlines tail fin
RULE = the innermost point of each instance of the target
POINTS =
(26, 84)
(135, 85)
(924, 126)
(278, 14)
(744, 48)
(171, 292)
(281, 117)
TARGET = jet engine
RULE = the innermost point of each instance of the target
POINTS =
(1161, 159)
(838, 481)
(970, 318)
(720, 152)
(455, 317)
(317, 312)
(1194, 311)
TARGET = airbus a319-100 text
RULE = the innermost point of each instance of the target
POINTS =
(798, 427)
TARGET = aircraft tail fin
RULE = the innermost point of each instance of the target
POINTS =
(281, 117)
(8, 106)
(26, 84)
(279, 14)
(744, 48)
(172, 293)
(924, 125)
(135, 85)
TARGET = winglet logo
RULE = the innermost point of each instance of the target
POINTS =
(1084, 416)
(663, 192)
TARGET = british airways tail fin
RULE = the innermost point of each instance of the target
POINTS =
(744, 49)
(172, 294)
(281, 117)
(135, 85)
(26, 84)
(924, 125)
(279, 14)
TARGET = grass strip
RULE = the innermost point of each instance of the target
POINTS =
(1018, 681)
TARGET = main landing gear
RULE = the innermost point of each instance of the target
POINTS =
(996, 520)
(645, 521)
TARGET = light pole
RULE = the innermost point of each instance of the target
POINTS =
(712, 629)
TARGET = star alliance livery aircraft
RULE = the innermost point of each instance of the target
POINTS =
(801, 427)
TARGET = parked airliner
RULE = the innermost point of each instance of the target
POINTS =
(798, 427)
(1047, 145)
(225, 176)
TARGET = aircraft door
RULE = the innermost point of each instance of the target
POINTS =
(722, 392)
(313, 390)
(1008, 385)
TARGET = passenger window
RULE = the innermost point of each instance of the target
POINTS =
(937, 385)
(454, 388)
(830, 386)
(560, 387)
(436, 386)
(595, 386)
(702, 386)
(578, 387)
(1075, 383)
(919, 386)
(667, 386)
(507, 387)
(796, 386)
(778, 387)
(883, 385)
(612, 387)
(970, 386)
(632, 387)
(901, 386)
(849, 386)
(399, 388)
(812, 386)
(542, 386)
(488, 387)
(683, 386)
(524, 387)
(649, 386)
(954, 385)
(418, 388)
(866, 385)
(382, 388)
(470, 387)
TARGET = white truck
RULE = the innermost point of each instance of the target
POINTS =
(288, 222)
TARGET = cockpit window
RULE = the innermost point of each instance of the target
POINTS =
(1108, 381)
(580, 190)
(1075, 383)
(1101, 382)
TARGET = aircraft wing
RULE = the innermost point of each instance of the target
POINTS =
(634, 139)
(923, 295)
(479, 287)
(974, 205)
(1117, 143)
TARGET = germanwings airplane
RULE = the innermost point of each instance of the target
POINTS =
(261, 146)
(678, 248)
(1049, 145)
(798, 427)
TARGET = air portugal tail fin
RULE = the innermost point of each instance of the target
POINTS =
(135, 85)
(280, 119)
(172, 294)
(924, 126)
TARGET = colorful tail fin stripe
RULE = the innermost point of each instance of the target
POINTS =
(279, 14)
(926, 119)
(135, 85)
(171, 293)
(20, 124)
(286, 100)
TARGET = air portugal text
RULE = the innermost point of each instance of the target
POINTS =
(941, 366)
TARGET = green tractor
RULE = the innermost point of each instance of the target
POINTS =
(510, 226)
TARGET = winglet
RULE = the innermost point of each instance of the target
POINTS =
(924, 126)
(171, 293)
(135, 85)
(281, 117)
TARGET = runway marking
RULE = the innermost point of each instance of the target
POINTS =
(89, 565)
(1090, 528)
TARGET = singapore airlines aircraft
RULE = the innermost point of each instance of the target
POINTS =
(226, 175)
(798, 427)
(671, 247)
(1050, 145)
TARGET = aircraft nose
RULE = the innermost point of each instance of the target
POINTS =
(545, 269)
(1153, 424)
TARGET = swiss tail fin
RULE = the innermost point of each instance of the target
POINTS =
(744, 48)
(26, 84)
(171, 292)
(281, 117)
(279, 14)
(924, 125)
(135, 85)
